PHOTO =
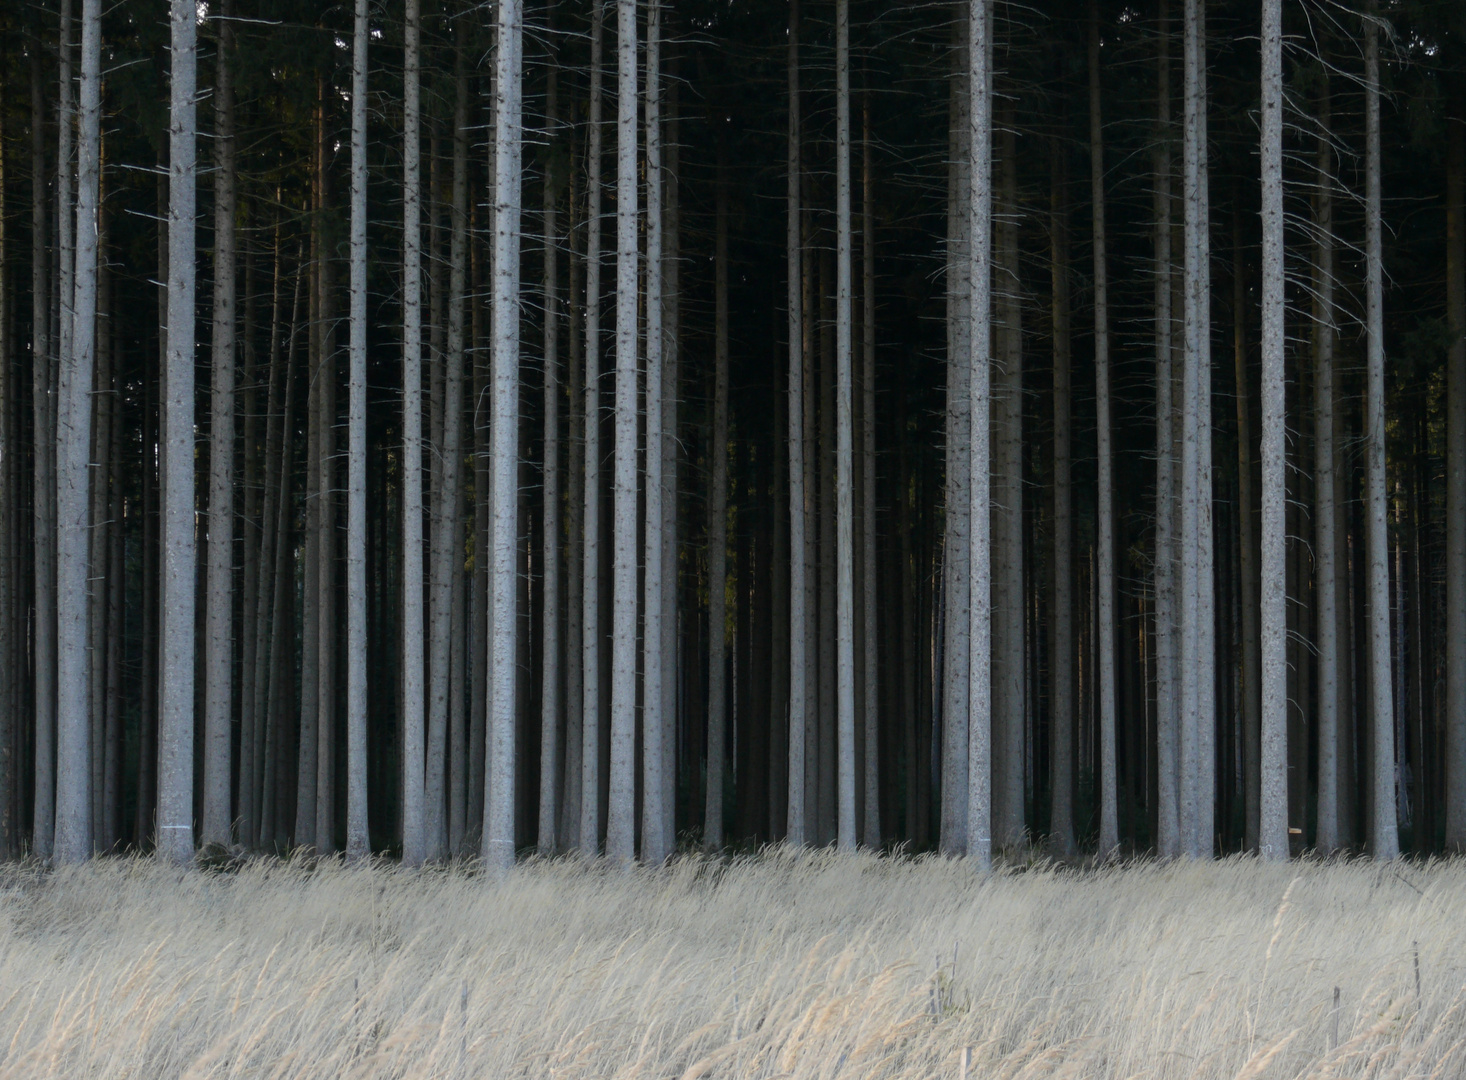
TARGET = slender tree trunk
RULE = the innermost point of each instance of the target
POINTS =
(10, 500)
(590, 753)
(1198, 658)
(655, 835)
(872, 717)
(1062, 657)
(499, 804)
(414, 836)
(621, 820)
(844, 441)
(1383, 838)
(570, 812)
(1325, 479)
(357, 837)
(1455, 659)
(323, 806)
(552, 669)
(219, 639)
(952, 838)
(73, 491)
(1109, 832)
(1168, 825)
(1273, 812)
(799, 614)
(99, 534)
(671, 308)
(718, 535)
(176, 728)
(979, 258)
(44, 485)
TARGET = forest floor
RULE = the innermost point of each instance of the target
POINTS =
(777, 965)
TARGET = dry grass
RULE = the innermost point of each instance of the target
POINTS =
(780, 966)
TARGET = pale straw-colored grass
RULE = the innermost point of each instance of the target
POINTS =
(812, 966)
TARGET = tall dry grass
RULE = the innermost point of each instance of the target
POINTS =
(778, 966)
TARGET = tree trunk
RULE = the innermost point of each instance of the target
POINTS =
(219, 634)
(1168, 842)
(552, 670)
(44, 486)
(844, 442)
(1061, 663)
(1198, 656)
(621, 818)
(590, 755)
(979, 261)
(357, 837)
(499, 805)
(872, 717)
(175, 730)
(414, 836)
(953, 838)
(1383, 839)
(73, 449)
(718, 535)
(799, 614)
(1273, 794)
(1455, 659)
(671, 309)
(325, 551)
(656, 837)
(1109, 831)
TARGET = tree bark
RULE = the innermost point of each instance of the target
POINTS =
(872, 718)
(219, 639)
(621, 815)
(414, 836)
(73, 493)
(979, 260)
(1061, 707)
(844, 441)
(357, 837)
(1455, 721)
(655, 835)
(590, 755)
(718, 534)
(1383, 838)
(799, 614)
(1109, 831)
(175, 734)
(552, 670)
(499, 804)
(1273, 806)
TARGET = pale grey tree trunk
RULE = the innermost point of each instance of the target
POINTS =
(1384, 840)
(979, 194)
(590, 630)
(575, 511)
(718, 534)
(508, 106)
(1197, 645)
(219, 631)
(844, 442)
(1109, 830)
(176, 726)
(953, 836)
(871, 834)
(357, 837)
(552, 665)
(1273, 807)
(1168, 824)
(73, 492)
(323, 805)
(798, 496)
(621, 815)
(1061, 707)
(414, 836)
(44, 486)
(1455, 724)
(655, 835)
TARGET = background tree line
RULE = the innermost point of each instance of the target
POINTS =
(334, 517)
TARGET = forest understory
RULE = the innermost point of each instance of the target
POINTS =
(782, 964)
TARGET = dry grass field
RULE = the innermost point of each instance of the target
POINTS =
(776, 966)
